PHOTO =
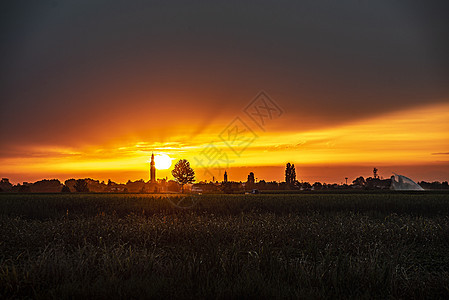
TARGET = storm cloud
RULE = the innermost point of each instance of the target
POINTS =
(77, 71)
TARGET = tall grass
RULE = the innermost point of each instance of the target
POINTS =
(226, 246)
(41, 206)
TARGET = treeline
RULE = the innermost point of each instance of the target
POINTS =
(360, 183)
(162, 186)
(89, 185)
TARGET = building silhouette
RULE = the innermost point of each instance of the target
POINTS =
(152, 170)
(225, 177)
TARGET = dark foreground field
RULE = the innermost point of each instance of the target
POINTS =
(225, 246)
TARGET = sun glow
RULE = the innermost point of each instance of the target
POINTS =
(162, 161)
(416, 138)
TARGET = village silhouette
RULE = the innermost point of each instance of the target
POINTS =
(185, 182)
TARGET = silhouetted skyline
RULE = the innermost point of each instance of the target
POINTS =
(92, 88)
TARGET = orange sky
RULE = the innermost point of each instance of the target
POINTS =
(413, 141)
(91, 88)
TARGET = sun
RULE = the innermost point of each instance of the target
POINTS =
(162, 161)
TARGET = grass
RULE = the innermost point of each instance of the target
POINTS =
(226, 246)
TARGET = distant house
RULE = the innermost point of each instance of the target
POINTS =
(138, 186)
(203, 187)
(113, 187)
(116, 189)
(232, 187)
(376, 183)
(197, 189)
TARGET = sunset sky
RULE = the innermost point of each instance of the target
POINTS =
(92, 88)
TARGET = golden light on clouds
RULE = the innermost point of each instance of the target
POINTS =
(409, 137)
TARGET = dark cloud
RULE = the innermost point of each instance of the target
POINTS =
(74, 70)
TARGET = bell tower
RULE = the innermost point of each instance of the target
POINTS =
(152, 169)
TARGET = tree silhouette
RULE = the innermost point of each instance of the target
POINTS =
(317, 186)
(288, 170)
(183, 173)
(65, 189)
(290, 173)
(251, 178)
(359, 181)
(375, 173)
(81, 186)
(24, 189)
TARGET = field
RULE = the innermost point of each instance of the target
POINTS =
(380, 245)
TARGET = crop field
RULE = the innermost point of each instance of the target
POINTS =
(109, 246)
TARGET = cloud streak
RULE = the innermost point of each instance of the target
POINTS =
(80, 77)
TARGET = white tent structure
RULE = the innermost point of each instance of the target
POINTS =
(402, 183)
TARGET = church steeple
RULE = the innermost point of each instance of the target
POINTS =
(152, 169)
